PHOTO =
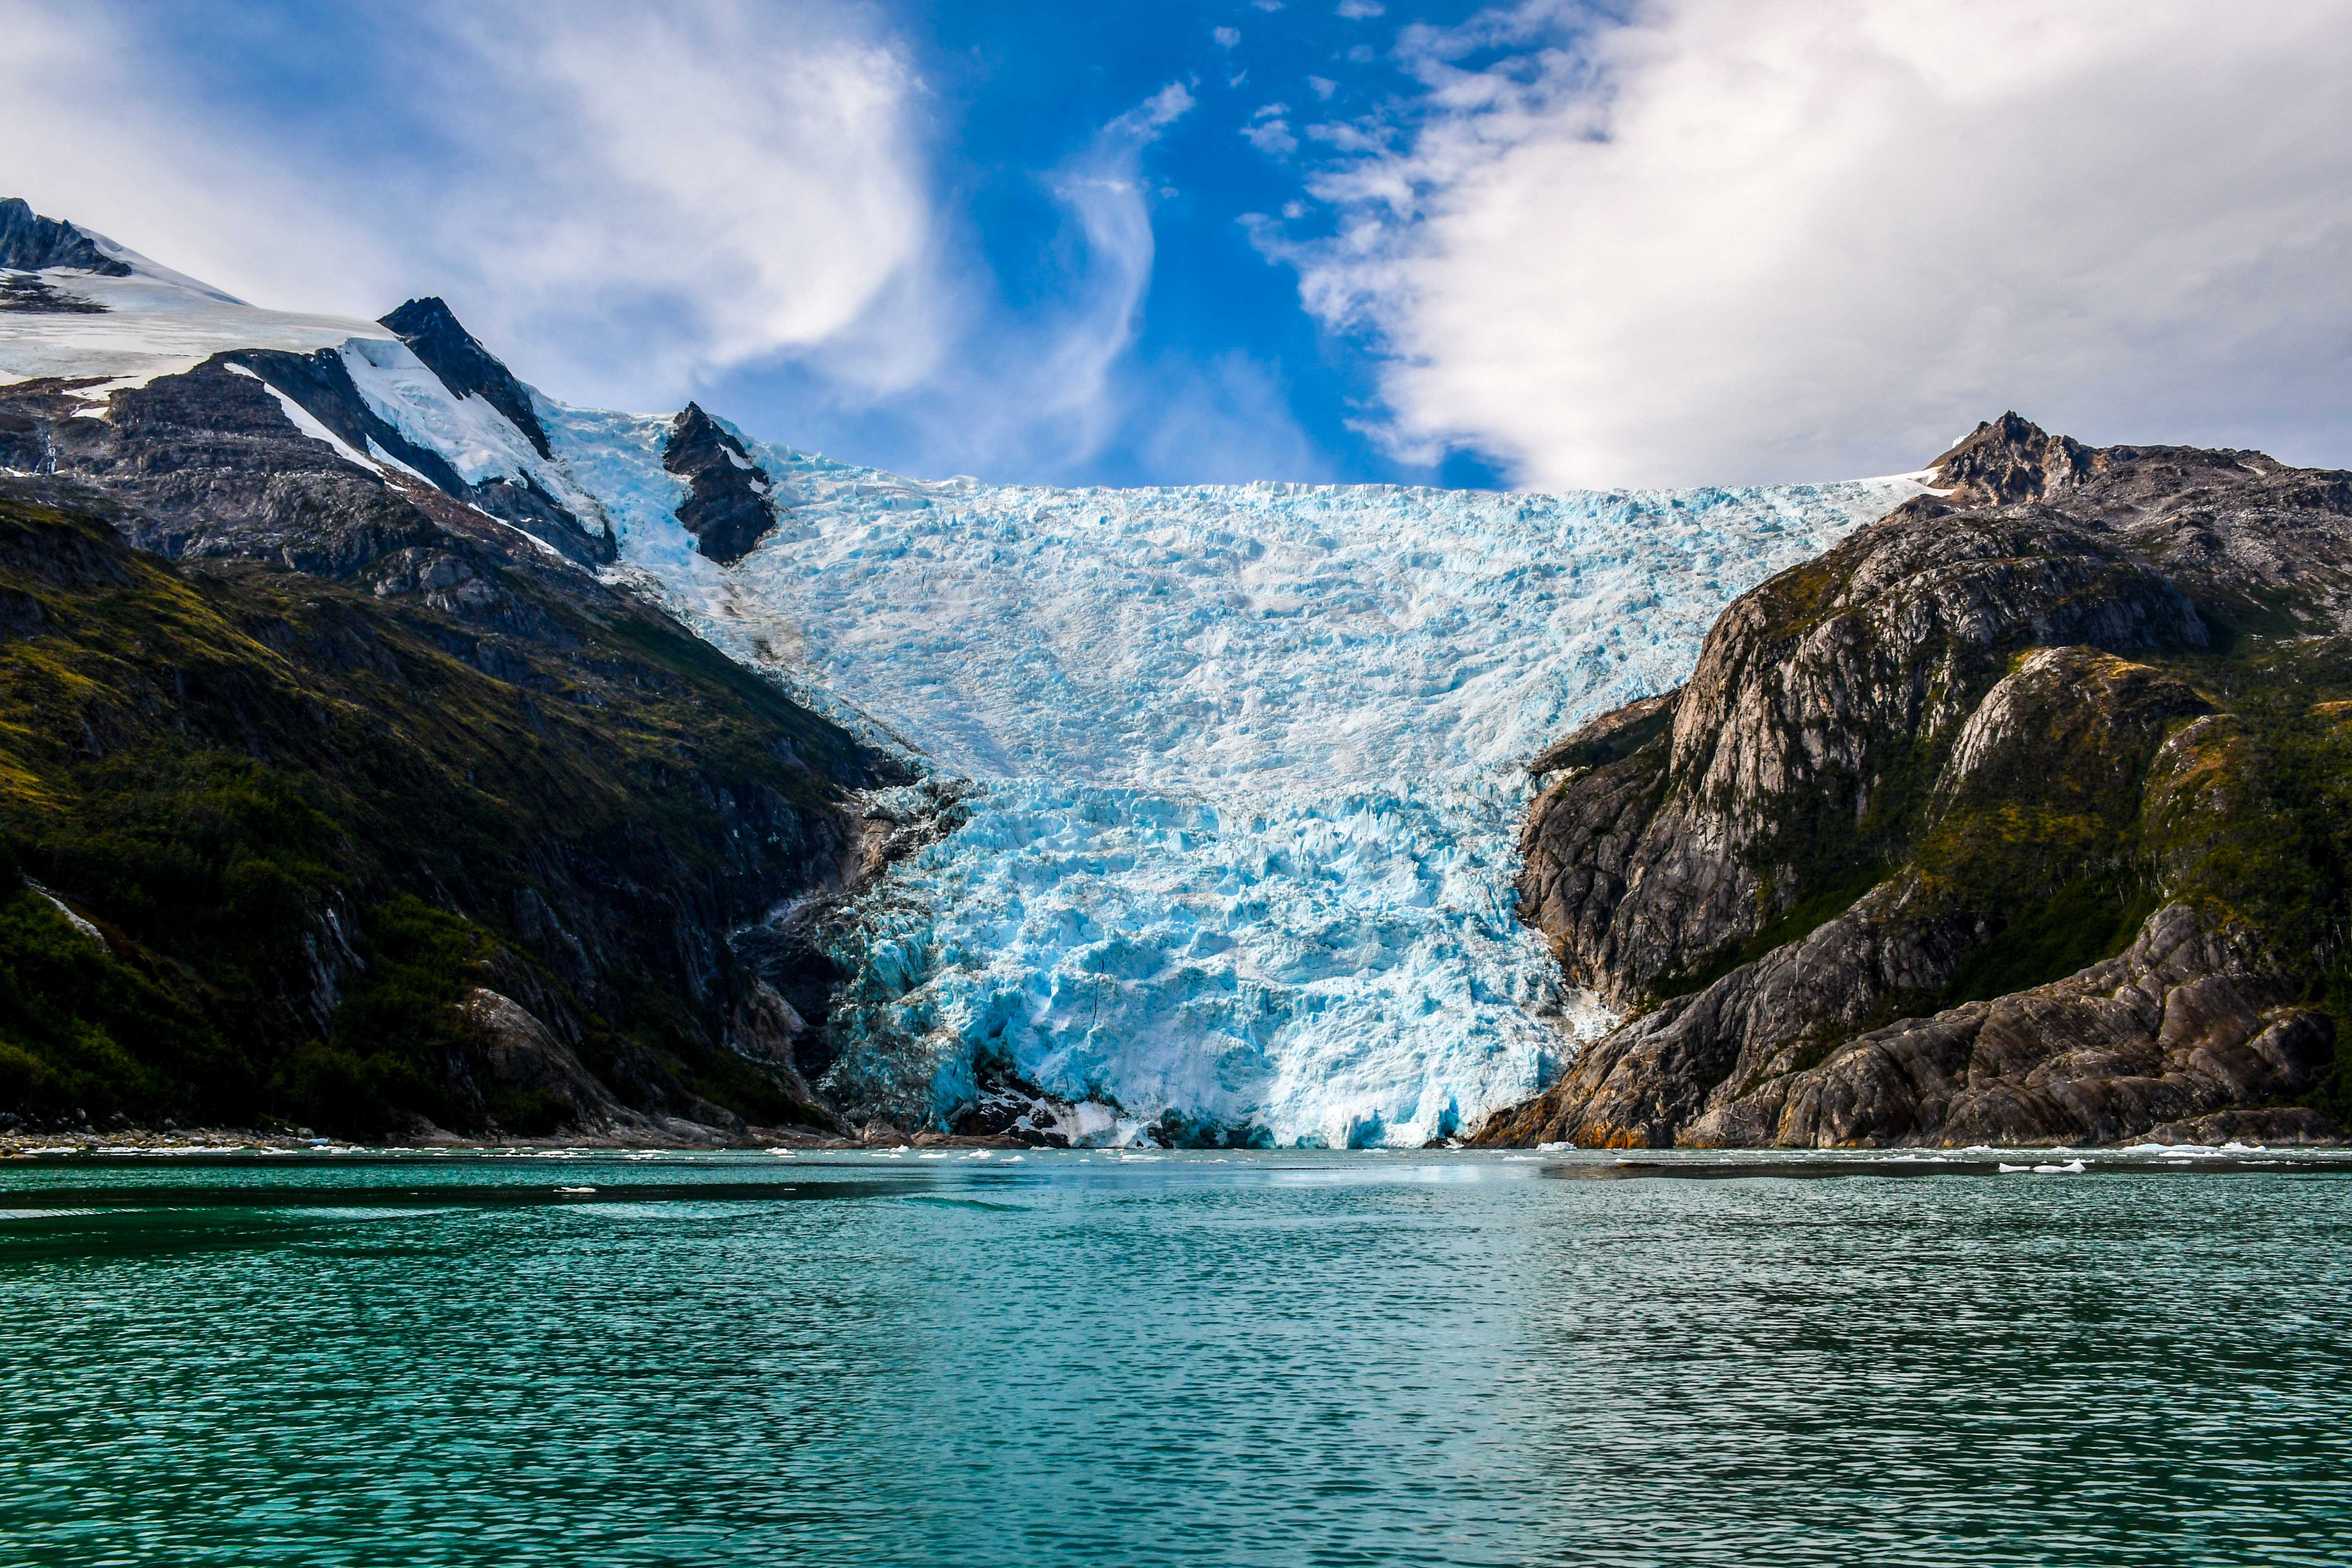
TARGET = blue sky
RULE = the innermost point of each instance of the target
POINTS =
(1545, 243)
(1023, 90)
(1020, 92)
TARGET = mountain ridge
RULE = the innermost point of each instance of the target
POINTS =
(387, 815)
(2026, 717)
(1233, 862)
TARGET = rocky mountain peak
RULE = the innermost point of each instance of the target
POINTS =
(30, 243)
(727, 510)
(2011, 460)
(434, 334)
(1954, 831)
(694, 426)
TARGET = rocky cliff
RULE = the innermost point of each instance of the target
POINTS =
(338, 790)
(2024, 814)
(729, 505)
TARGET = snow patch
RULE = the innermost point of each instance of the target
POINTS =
(307, 423)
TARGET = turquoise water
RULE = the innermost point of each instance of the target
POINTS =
(1238, 1358)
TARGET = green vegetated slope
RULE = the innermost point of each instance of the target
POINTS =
(2067, 850)
(2025, 814)
(306, 825)
(2233, 795)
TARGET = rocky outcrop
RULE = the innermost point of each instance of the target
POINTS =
(330, 742)
(30, 243)
(207, 456)
(28, 294)
(1643, 1084)
(525, 1058)
(432, 332)
(1799, 751)
(728, 506)
(1954, 761)
(2189, 1020)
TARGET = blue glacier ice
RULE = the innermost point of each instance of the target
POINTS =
(1239, 767)
(1245, 763)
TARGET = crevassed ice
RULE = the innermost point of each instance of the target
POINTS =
(1248, 762)
(1244, 760)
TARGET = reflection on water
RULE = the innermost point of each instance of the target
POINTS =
(1408, 1359)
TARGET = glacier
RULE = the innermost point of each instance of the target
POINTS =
(1240, 766)
(1234, 772)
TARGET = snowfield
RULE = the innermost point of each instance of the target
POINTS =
(1244, 764)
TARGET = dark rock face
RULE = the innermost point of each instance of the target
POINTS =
(432, 332)
(1976, 743)
(2189, 1020)
(2011, 460)
(29, 243)
(729, 510)
(329, 742)
(1804, 720)
(28, 295)
(203, 454)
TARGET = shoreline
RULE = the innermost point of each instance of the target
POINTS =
(84, 1142)
(218, 1142)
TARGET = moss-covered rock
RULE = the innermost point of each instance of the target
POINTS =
(312, 816)
(2088, 701)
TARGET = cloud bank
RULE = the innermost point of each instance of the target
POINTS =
(1781, 239)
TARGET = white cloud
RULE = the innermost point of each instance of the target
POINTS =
(638, 198)
(1762, 239)
(1036, 399)
(159, 181)
(1271, 137)
(1361, 10)
(768, 179)
(1226, 36)
(634, 205)
(1324, 85)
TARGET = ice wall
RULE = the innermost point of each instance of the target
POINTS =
(1246, 763)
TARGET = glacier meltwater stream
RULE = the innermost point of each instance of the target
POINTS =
(1245, 764)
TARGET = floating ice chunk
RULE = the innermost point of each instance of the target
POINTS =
(2071, 1168)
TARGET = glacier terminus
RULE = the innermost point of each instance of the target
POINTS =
(1240, 767)
(1219, 783)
